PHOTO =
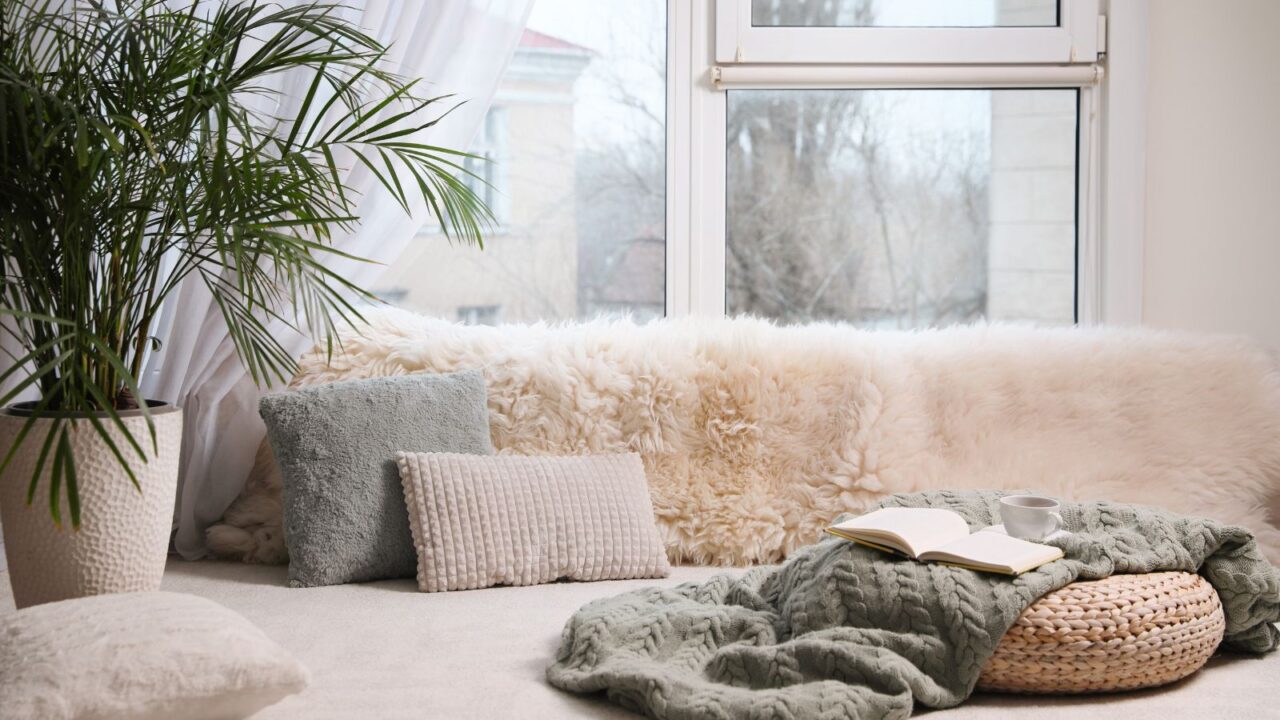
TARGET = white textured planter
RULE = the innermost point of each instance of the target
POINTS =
(124, 535)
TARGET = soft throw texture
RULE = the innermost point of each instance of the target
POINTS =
(754, 437)
(484, 521)
(138, 656)
(841, 630)
(336, 445)
(372, 652)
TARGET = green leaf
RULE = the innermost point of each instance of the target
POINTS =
(40, 461)
(82, 144)
(133, 161)
(110, 137)
(60, 456)
(73, 485)
(105, 435)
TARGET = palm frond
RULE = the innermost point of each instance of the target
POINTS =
(135, 155)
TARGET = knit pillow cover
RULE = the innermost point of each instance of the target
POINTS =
(511, 520)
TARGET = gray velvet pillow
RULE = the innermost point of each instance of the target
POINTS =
(344, 513)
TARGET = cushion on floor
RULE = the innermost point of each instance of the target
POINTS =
(139, 656)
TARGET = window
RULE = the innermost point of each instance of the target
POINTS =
(901, 208)
(905, 13)
(479, 314)
(907, 32)
(888, 163)
(575, 172)
(488, 170)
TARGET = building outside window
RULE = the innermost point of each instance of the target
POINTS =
(480, 314)
(575, 139)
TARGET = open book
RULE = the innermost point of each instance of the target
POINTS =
(929, 534)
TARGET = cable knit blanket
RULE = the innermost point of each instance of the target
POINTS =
(843, 631)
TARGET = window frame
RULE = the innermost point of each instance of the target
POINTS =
(696, 122)
(1074, 39)
(490, 146)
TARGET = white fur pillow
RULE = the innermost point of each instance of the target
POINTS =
(139, 655)
(480, 521)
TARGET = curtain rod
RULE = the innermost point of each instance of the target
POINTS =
(742, 77)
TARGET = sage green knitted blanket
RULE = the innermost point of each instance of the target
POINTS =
(843, 631)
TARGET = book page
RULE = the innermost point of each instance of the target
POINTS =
(988, 550)
(916, 530)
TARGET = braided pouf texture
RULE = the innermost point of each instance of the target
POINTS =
(1120, 633)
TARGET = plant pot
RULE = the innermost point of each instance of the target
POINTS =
(123, 538)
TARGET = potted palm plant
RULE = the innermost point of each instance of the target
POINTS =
(141, 148)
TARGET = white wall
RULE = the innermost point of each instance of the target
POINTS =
(1212, 246)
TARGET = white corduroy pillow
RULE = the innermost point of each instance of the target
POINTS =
(480, 521)
(139, 655)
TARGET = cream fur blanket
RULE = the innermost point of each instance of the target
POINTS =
(755, 436)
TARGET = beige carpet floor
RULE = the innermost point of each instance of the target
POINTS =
(385, 650)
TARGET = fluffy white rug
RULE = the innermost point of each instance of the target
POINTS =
(755, 436)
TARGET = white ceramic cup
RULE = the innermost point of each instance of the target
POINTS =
(1030, 517)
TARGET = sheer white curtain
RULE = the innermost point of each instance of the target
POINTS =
(457, 46)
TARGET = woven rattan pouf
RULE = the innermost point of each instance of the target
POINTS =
(1120, 633)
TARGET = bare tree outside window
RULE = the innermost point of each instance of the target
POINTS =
(880, 207)
(830, 217)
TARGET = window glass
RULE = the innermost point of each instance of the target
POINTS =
(902, 208)
(904, 13)
(575, 141)
(487, 169)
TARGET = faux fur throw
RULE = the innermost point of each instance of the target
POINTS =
(843, 631)
(755, 436)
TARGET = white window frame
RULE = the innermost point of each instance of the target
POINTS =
(1073, 40)
(701, 34)
(490, 144)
